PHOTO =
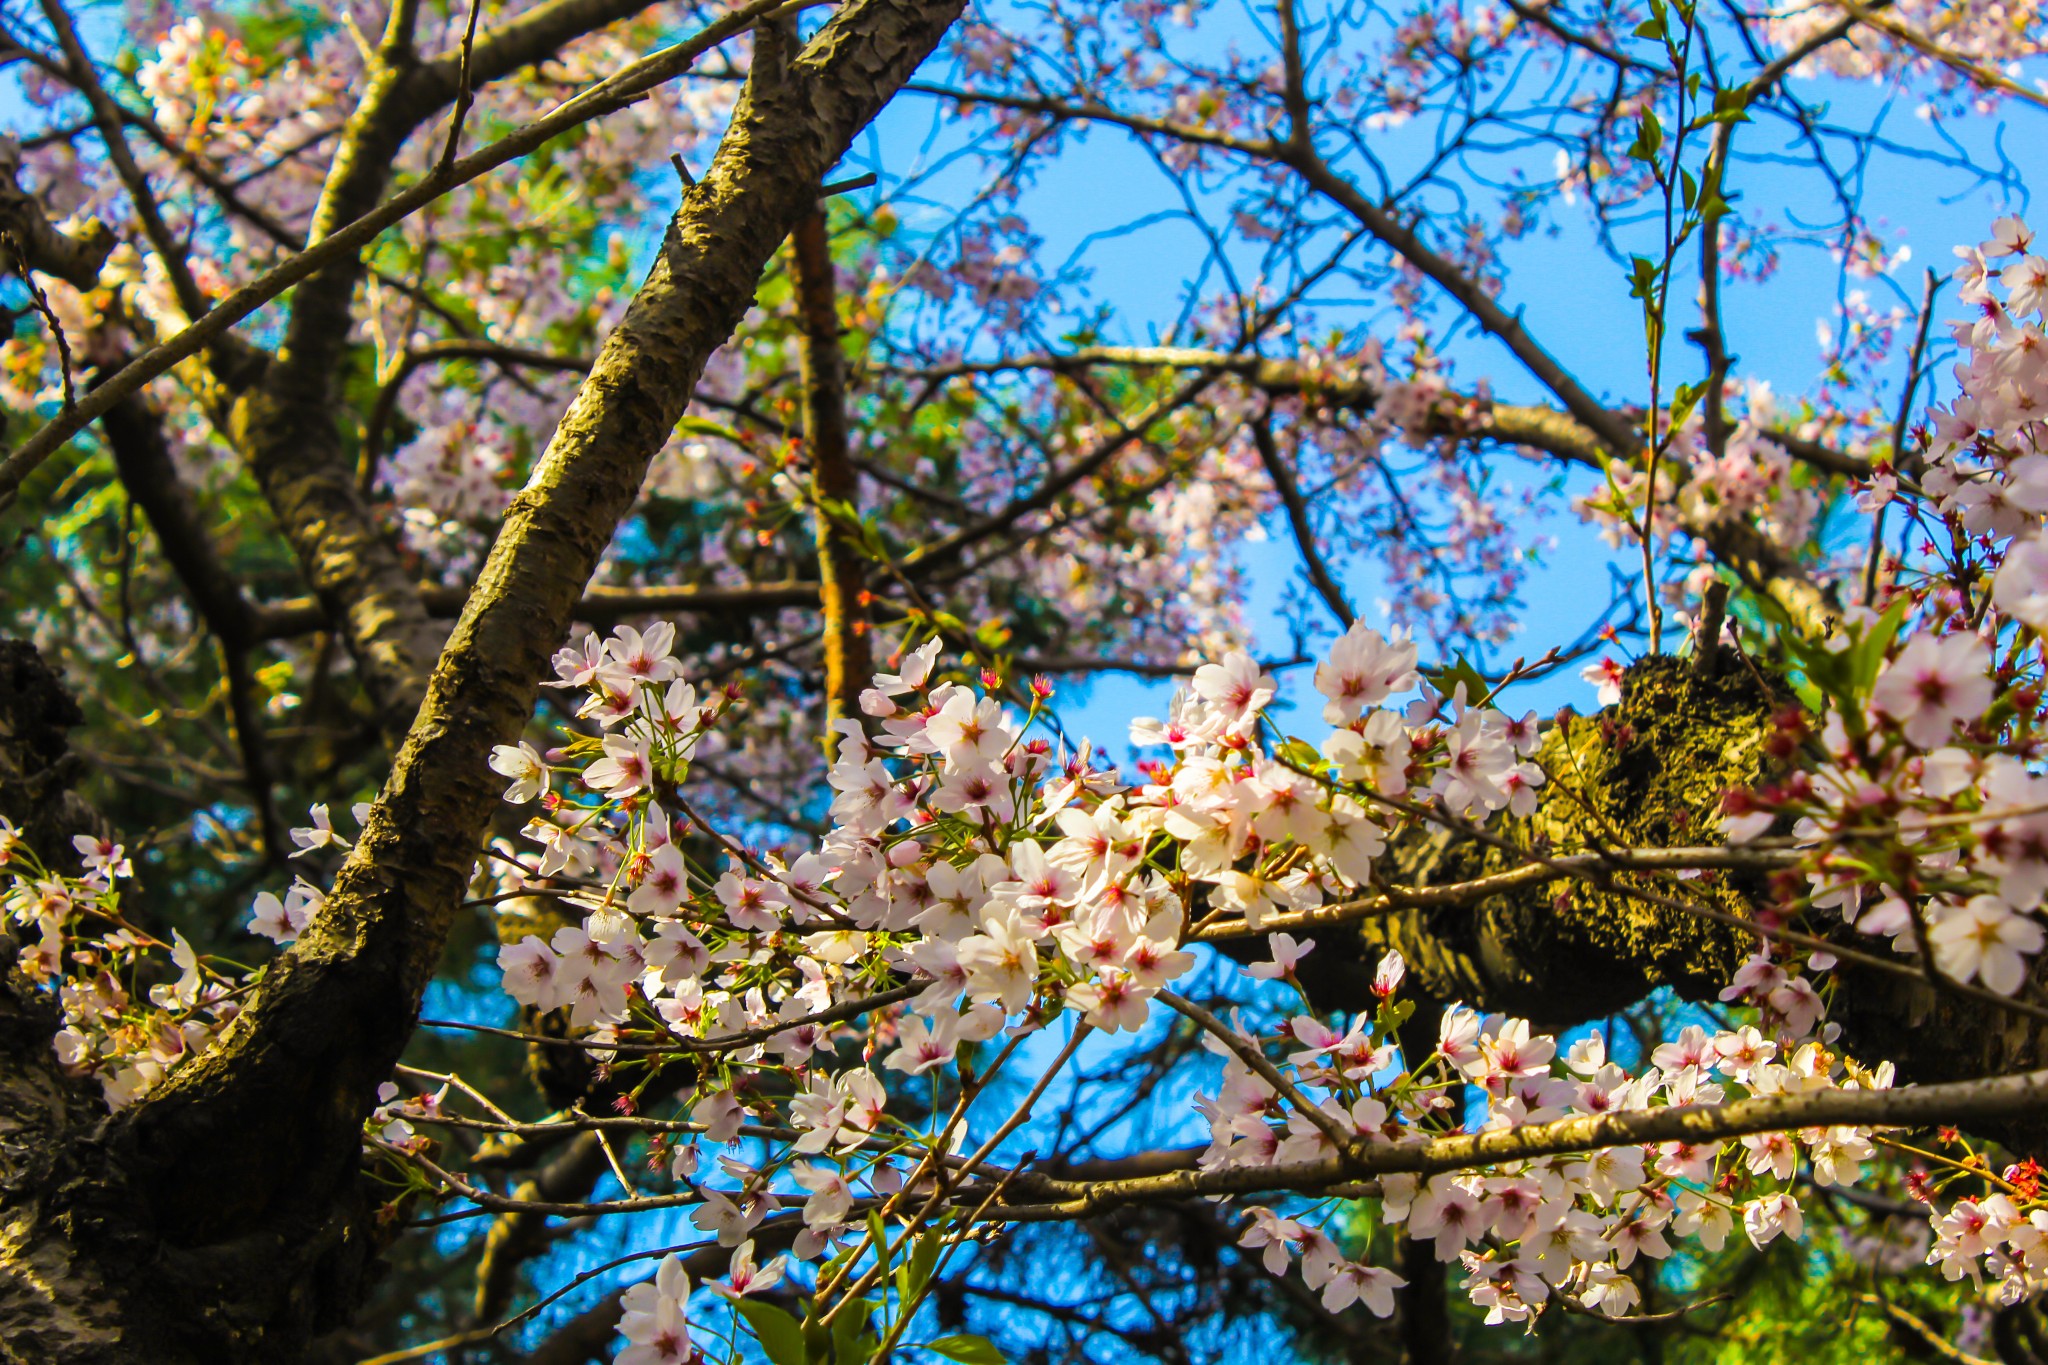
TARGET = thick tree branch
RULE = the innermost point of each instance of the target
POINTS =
(1560, 867)
(34, 243)
(1956, 1102)
(1542, 428)
(1547, 429)
(263, 1132)
(835, 484)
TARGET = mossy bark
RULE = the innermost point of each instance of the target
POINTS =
(1647, 773)
(1650, 773)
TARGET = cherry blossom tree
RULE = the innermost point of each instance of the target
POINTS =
(707, 937)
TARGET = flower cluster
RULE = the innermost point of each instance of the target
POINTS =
(1008, 886)
(1748, 479)
(1006, 883)
(1525, 1231)
(977, 884)
(118, 1028)
(1910, 773)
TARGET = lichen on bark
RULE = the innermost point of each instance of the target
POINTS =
(1649, 772)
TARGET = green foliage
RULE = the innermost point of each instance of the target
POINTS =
(968, 1350)
(780, 1335)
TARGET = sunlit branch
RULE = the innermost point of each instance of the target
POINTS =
(835, 485)
(1554, 868)
(1289, 493)
(1910, 1106)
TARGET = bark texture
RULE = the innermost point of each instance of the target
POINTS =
(53, 1300)
(1647, 773)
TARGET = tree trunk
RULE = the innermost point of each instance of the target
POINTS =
(224, 1218)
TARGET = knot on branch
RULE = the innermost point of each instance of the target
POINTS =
(33, 242)
(1647, 773)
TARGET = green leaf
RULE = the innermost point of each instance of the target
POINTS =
(916, 1272)
(1731, 106)
(851, 1340)
(1642, 277)
(1809, 696)
(1683, 402)
(1446, 678)
(780, 1335)
(878, 1233)
(1866, 658)
(1299, 753)
(1649, 137)
(968, 1350)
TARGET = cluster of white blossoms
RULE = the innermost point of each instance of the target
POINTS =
(974, 884)
(1988, 462)
(84, 950)
(1750, 480)
(961, 853)
(1922, 803)
(1004, 884)
(1525, 1231)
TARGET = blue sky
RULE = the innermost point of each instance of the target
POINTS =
(1570, 292)
(1573, 299)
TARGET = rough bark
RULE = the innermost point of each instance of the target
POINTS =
(54, 1301)
(242, 1171)
(1645, 773)
(58, 1303)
